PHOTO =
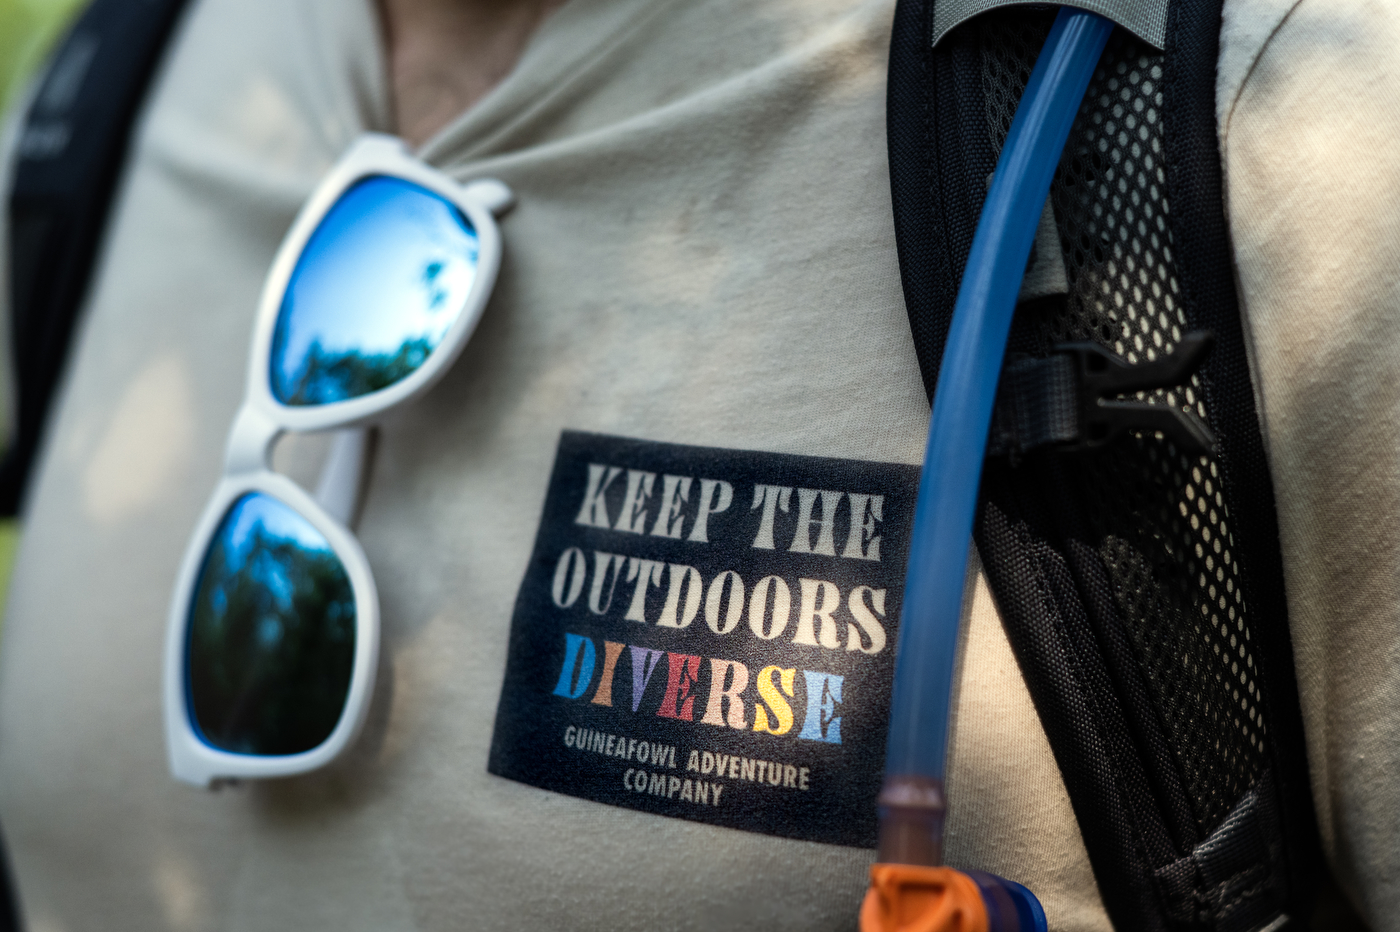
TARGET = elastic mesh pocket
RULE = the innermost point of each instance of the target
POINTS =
(1159, 519)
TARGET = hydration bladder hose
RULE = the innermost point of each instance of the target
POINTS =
(908, 890)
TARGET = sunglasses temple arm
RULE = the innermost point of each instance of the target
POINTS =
(341, 486)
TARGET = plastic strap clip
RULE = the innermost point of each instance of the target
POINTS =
(1069, 400)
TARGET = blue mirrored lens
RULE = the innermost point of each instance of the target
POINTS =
(272, 633)
(378, 285)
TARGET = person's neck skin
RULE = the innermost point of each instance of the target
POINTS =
(445, 55)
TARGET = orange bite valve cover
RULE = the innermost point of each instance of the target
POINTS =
(911, 898)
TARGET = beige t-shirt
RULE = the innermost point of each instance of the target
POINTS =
(1307, 98)
(702, 254)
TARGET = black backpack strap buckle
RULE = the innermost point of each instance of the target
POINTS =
(1070, 400)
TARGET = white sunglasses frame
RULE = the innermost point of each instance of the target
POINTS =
(262, 419)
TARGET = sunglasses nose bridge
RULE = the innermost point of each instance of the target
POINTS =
(250, 442)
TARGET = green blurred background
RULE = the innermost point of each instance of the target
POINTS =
(28, 30)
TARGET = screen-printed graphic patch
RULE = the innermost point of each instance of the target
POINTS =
(709, 634)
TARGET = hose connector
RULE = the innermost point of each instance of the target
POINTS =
(912, 808)
(910, 893)
(920, 898)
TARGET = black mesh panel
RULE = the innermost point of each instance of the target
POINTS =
(1010, 46)
(1160, 524)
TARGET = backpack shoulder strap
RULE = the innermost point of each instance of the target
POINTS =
(1140, 582)
(70, 155)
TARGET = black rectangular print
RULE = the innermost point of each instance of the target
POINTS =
(709, 634)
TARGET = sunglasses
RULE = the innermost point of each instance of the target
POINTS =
(273, 636)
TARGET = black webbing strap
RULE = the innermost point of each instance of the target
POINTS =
(1140, 580)
(9, 903)
(70, 156)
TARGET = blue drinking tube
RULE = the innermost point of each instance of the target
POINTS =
(911, 801)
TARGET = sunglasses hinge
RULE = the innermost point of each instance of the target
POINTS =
(250, 442)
